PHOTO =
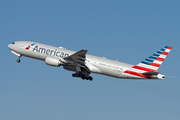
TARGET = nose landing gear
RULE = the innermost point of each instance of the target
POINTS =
(18, 60)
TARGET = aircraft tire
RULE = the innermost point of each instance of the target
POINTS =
(77, 75)
(82, 76)
(74, 75)
(18, 60)
(90, 78)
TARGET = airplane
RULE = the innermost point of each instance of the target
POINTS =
(84, 64)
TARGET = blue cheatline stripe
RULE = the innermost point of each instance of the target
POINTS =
(150, 60)
(153, 57)
(163, 49)
(166, 47)
(156, 54)
(144, 62)
(159, 52)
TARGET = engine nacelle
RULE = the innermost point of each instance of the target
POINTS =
(53, 61)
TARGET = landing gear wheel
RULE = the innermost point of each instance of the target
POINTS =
(90, 78)
(82, 76)
(18, 60)
(74, 74)
(77, 75)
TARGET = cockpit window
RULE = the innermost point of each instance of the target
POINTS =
(13, 43)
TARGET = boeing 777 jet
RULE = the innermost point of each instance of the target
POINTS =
(83, 64)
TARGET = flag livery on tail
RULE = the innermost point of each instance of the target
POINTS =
(150, 65)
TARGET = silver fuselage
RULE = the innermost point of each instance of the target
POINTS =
(96, 64)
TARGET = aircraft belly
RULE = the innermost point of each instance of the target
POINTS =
(128, 76)
(94, 69)
(110, 71)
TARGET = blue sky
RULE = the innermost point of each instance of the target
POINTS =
(126, 30)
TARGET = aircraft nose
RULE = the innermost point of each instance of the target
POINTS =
(9, 46)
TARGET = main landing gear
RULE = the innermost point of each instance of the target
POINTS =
(82, 76)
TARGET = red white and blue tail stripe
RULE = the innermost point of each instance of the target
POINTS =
(152, 63)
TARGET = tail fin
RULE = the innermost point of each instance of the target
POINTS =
(153, 62)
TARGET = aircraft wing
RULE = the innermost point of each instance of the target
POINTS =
(78, 58)
(76, 62)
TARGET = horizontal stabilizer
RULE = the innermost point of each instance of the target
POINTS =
(151, 73)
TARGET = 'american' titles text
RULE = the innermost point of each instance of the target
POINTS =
(50, 52)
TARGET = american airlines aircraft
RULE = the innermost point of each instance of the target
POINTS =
(83, 64)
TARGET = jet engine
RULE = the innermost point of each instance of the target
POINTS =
(53, 61)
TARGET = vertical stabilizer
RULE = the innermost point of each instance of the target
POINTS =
(153, 62)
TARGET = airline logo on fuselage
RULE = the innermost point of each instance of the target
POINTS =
(27, 48)
(50, 52)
